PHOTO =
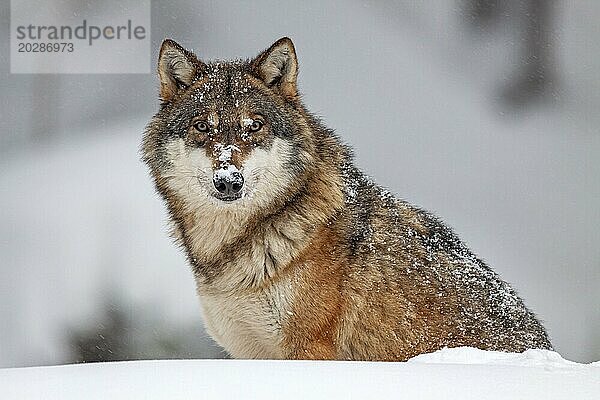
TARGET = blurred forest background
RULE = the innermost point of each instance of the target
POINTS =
(482, 111)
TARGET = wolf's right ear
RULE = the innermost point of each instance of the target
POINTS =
(177, 68)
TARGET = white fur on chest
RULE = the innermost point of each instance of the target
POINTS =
(243, 318)
(248, 324)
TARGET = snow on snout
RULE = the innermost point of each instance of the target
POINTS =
(227, 171)
(225, 153)
(228, 174)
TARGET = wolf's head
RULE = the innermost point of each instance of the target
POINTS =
(229, 134)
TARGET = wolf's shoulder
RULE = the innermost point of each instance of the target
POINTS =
(374, 204)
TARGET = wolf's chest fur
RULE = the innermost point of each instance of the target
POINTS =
(245, 318)
(247, 324)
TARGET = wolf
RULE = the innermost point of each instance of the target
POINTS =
(296, 253)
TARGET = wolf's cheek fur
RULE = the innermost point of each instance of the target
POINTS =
(265, 170)
(267, 173)
(189, 174)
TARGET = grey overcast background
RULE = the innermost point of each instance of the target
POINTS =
(482, 111)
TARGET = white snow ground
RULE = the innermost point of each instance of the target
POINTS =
(460, 373)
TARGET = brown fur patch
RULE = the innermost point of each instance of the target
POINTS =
(313, 329)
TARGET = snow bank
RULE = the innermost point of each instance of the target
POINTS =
(470, 355)
(464, 373)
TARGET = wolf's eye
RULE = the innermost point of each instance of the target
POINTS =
(202, 126)
(256, 125)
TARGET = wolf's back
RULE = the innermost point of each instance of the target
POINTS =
(447, 295)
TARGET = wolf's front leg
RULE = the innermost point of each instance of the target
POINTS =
(311, 336)
(312, 327)
(312, 350)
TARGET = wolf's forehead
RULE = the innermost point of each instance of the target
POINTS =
(224, 81)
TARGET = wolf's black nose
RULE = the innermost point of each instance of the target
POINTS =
(228, 184)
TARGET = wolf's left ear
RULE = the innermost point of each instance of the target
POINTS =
(278, 67)
(177, 68)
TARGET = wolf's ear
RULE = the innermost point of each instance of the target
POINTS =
(177, 68)
(278, 67)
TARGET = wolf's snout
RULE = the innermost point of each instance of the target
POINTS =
(228, 183)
